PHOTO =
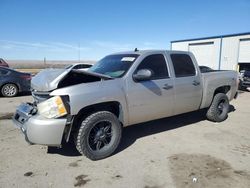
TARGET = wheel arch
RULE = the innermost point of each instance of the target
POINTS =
(222, 89)
(111, 106)
(210, 93)
(114, 107)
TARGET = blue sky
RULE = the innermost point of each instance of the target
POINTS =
(60, 29)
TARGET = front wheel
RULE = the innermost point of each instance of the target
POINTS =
(218, 111)
(99, 135)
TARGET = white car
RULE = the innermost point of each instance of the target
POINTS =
(79, 66)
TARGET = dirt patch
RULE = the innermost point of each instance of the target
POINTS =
(151, 186)
(81, 180)
(74, 164)
(29, 174)
(6, 116)
(245, 149)
(197, 170)
(117, 177)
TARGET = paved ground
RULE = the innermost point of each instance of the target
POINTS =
(182, 151)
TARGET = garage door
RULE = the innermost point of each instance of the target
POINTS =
(204, 54)
(244, 51)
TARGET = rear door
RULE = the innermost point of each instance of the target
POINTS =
(188, 89)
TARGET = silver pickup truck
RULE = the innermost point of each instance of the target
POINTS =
(121, 89)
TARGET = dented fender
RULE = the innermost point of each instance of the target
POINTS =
(86, 94)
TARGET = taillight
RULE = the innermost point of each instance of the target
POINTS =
(26, 77)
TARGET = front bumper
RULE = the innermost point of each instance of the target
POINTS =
(37, 129)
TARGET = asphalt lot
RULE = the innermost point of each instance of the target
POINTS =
(181, 151)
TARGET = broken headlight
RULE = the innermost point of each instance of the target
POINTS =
(52, 108)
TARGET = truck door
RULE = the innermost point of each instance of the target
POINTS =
(188, 89)
(151, 99)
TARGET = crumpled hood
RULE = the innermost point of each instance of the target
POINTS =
(49, 79)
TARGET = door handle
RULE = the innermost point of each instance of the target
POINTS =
(196, 83)
(167, 87)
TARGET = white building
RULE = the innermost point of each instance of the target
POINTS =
(224, 52)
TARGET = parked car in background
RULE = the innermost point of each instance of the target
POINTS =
(12, 82)
(244, 79)
(79, 66)
(3, 63)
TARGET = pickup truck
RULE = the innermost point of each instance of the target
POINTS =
(121, 89)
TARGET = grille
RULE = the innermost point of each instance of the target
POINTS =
(40, 96)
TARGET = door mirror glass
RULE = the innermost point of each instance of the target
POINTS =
(143, 75)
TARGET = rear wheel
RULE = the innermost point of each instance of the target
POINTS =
(9, 90)
(99, 135)
(218, 111)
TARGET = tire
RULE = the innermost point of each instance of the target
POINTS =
(99, 135)
(218, 111)
(9, 90)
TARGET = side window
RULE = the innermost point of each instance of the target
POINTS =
(183, 65)
(157, 64)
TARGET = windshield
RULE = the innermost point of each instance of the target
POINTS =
(114, 65)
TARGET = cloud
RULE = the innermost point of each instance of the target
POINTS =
(95, 49)
(47, 46)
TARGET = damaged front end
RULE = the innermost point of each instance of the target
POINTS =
(43, 123)
(48, 118)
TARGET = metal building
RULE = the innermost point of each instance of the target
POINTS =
(227, 52)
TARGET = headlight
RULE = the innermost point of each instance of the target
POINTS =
(52, 108)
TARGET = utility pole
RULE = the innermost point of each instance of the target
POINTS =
(44, 62)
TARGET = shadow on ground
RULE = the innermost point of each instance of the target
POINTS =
(132, 133)
(21, 94)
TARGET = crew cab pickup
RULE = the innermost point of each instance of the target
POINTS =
(121, 89)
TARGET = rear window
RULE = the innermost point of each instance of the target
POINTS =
(183, 65)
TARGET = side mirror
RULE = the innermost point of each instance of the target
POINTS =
(143, 75)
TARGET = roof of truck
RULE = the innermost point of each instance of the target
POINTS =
(140, 52)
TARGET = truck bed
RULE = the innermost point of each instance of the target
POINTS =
(215, 79)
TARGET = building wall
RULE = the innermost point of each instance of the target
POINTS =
(225, 51)
(230, 52)
(211, 60)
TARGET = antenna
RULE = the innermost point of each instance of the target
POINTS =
(136, 50)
